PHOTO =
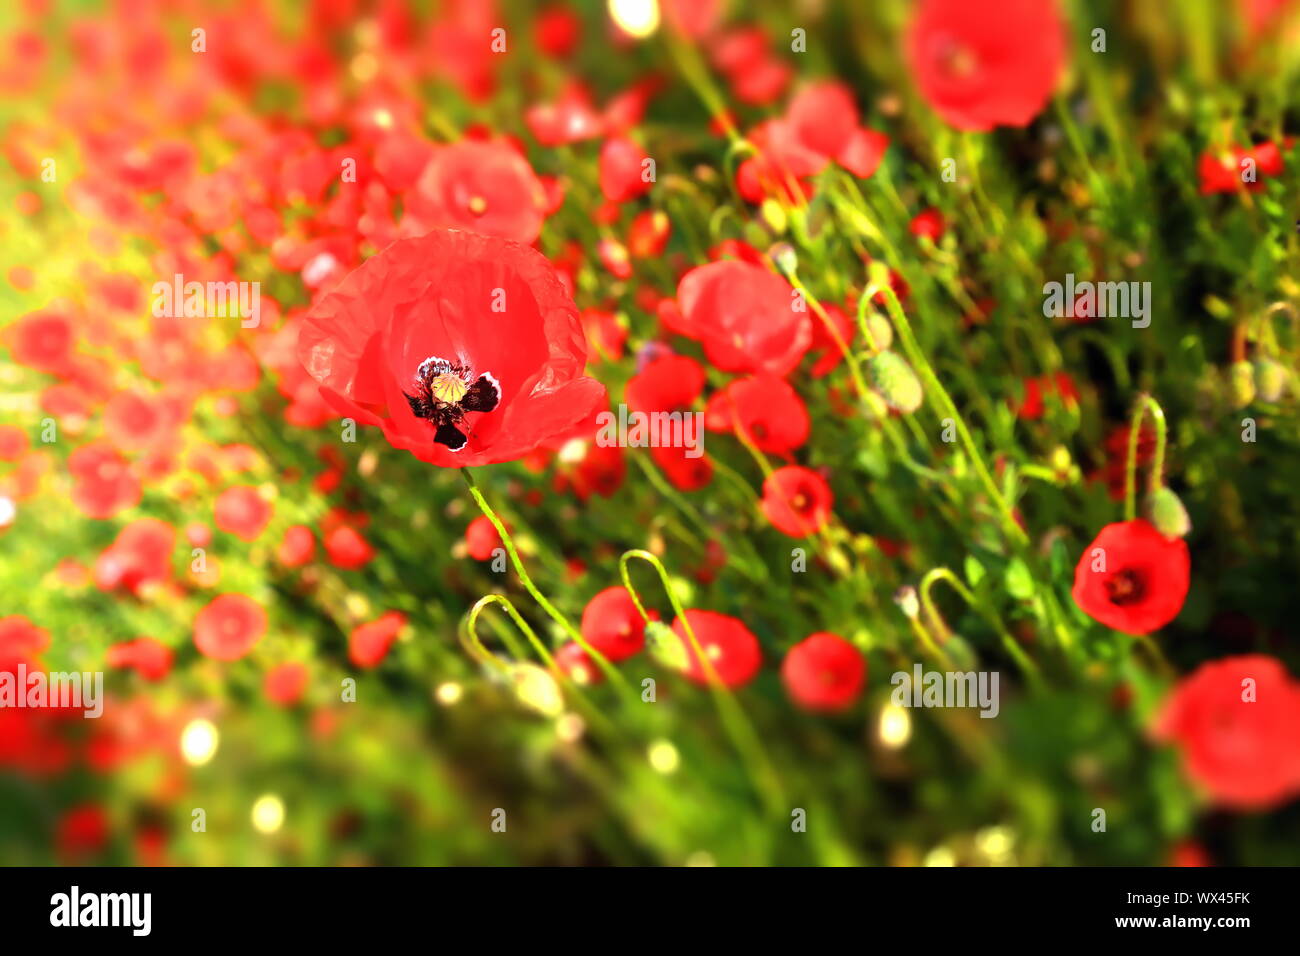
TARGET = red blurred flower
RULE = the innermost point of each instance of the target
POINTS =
(82, 833)
(229, 626)
(21, 641)
(824, 672)
(1237, 722)
(612, 625)
(140, 556)
(285, 683)
(242, 511)
(148, 656)
(1238, 168)
(483, 187)
(481, 538)
(43, 341)
(825, 348)
(648, 234)
(978, 70)
(347, 549)
(297, 547)
(1132, 577)
(104, 484)
(747, 317)
(369, 643)
(685, 473)
(765, 409)
(1032, 406)
(666, 384)
(729, 646)
(410, 342)
(928, 224)
(796, 500)
(623, 170)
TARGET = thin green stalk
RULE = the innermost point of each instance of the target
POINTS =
(1145, 403)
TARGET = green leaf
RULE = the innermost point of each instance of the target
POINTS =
(974, 571)
(1020, 583)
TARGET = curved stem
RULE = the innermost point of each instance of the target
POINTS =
(482, 653)
(1145, 403)
(949, 408)
(741, 732)
(600, 660)
(927, 602)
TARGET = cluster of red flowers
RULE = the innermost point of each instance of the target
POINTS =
(418, 287)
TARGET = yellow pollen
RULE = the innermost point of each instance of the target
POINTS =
(477, 205)
(448, 388)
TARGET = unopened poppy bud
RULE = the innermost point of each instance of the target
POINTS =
(784, 258)
(894, 379)
(1270, 379)
(907, 601)
(536, 689)
(1165, 510)
(1241, 384)
(665, 646)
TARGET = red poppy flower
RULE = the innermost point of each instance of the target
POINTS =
(134, 421)
(20, 641)
(1237, 722)
(928, 224)
(765, 409)
(589, 468)
(82, 833)
(977, 70)
(685, 473)
(147, 656)
(747, 317)
(623, 170)
(140, 556)
(796, 500)
(285, 683)
(1226, 172)
(668, 383)
(347, 549)
(824, 672)
(297, 547)
(826, 348)
(13, 442)
(1033, 405)
(612, 625)
(43, 341)
(104, 484)
(229, 626)
(730, 647)
(369, 643)
(1132, 577)
(487, 188)
(481, 538)
(242, 511)
(648, 234)
(465, 350)
(574, 661)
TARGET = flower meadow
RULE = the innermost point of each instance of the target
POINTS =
(654, 432)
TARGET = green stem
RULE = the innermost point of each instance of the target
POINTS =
(927, 602)
(600, 660)
(949, 410)
(742, 733)
(1145, 403)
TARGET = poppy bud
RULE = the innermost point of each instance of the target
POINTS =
(894, 379)
(1241, 384)
(665, 646)
(1270, 379)
(1165, 510)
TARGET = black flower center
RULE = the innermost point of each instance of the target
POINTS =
(444, 391)
(1125, 587)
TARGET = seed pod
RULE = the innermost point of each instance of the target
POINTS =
(663, 644)
(1270, 379)
(894, 379)
(1241, 384)
(1165, 511)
